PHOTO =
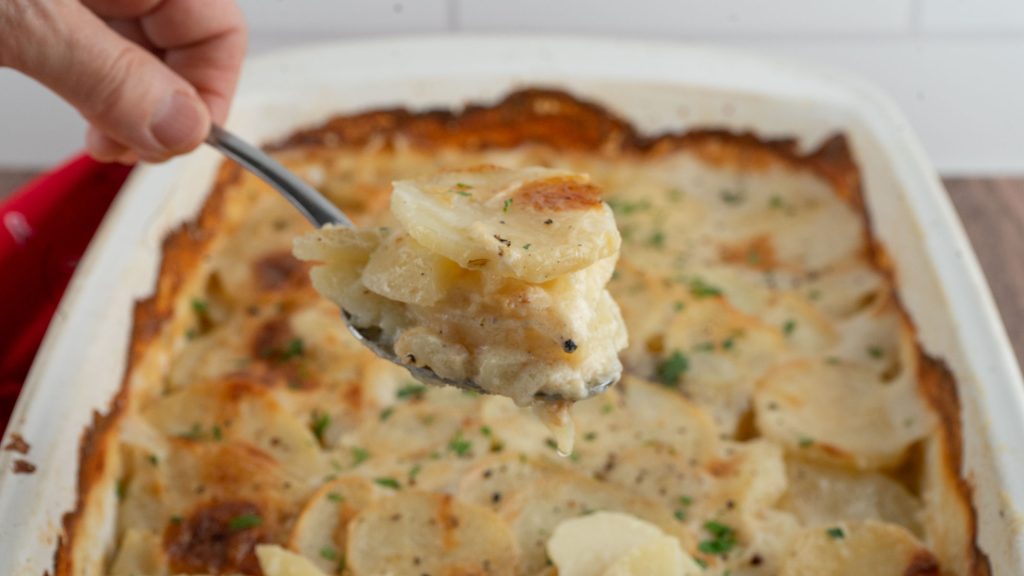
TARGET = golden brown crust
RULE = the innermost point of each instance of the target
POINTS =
(181, 251)
(534, 116)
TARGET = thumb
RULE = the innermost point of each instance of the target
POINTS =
(123, 90)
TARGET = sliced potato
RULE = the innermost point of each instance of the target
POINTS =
(324, 521)
(402, 270)
(839, 413)
(535, 512)
(494, 479)
(337, 245)
(276, 561)
(823, 495)
(589, 545)
(858, 548)
(139, 552)
(533, 224)
(423, 533)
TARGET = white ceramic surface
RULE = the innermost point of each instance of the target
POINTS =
(657, 86)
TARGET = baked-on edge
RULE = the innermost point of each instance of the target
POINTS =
(576, 125)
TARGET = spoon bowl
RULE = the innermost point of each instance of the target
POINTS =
(320, 211)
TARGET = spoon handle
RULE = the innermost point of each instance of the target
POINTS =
(307, 199)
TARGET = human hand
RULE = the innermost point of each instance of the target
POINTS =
(148, 75)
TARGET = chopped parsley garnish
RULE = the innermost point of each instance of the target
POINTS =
(775, 202)
(527, 246)
(590, 436)
(656, 239)
(814, 294)
(607, 408)
(175, 519)
(296, 347)
(701, 289)
(244, 521)
(199, 306)
(121, 489)
(507, 205)
(675, 194)
(486, 431)
(835, 533)
(729, 343)
(704, 347)
(723, 539)
(753, 257)
(386, 413)
(678, 306)
(414, 472)
(806, 442)
(411, 391)
(388, 483)
(461, 188)
(153, 459)
(335, 497)
(875, 352)
(463, 193)
(788, 327)
(329, 553)
(318, 423)
(550, 443)
(216, 433)
(685, 500)
(730, 196)
(194, 433)
(459, 445)
(359, 455)
(680, 514)
(671, 369)
(626, 207)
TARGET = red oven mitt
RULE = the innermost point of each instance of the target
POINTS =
(44, 229)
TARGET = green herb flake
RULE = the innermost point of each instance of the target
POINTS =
(359, 455)
(835, 533)
(459, 445)
(685, 500)
(670, 370)
(680, 514)
(550, 443)
(414, 472)
(386, 413)
(678, 306)
(875, 352)
(318, 423)
(153, 459)
(175, 519)
(701, 289)
(788, 327)
(335, 497)
(704, 347)
(730, 196)
(527, 246)
(626, 207)
(329, 553)
(411, 391)
(194, 433)
(216, 433)
(775, 202)
(607, 408)
(388, 483)
(200, 307)
(244, 522)
(296, 348)
(722, 540)
(590, 436)
(656, 239)
(729, 343)
(506, 206)
(461, 189)
(805, 442)
(463, 193)
(486, 431)
(121, 489)
(814, 294)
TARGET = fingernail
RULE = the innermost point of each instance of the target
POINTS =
(176, 123)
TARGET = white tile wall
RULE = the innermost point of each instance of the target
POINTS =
(955, 66)
(673, 17)
(980, 16)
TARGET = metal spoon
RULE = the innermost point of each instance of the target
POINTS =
(320, 211)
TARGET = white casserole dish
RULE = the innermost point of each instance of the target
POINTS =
(656, 86)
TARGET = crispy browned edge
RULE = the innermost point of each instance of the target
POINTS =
(523, 117)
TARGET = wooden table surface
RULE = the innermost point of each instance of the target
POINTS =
(992, 210)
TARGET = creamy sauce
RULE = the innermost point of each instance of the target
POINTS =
(558, 419)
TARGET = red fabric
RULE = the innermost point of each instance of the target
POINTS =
(44, 229)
